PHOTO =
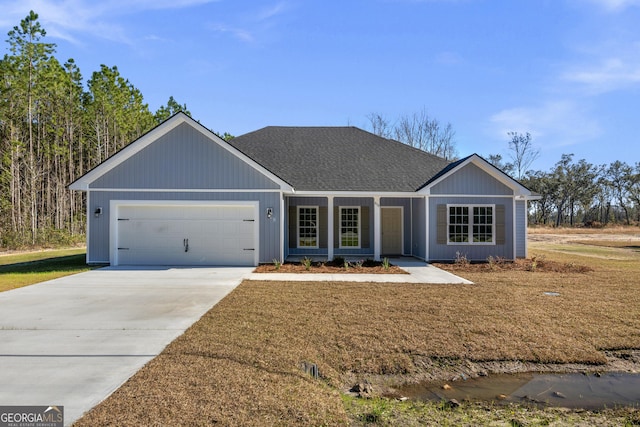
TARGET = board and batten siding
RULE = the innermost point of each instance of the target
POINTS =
(471, 180)
(440, 251)
(98, 243)
(184, 158)
(419, 228)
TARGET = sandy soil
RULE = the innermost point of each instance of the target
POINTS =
(566, 238)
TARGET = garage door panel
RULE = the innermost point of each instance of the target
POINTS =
(216, 235)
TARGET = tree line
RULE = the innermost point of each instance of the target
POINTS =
(580, 193)
(53, 130)
(574, 192)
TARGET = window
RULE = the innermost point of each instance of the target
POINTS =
(349, 227)
(307, 227)
(471, 224)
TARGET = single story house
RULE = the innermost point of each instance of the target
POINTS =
(180, 195)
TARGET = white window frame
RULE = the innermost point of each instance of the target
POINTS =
(471, 224)
(359, 227)
(300, 238)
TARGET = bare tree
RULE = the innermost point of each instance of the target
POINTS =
(380, 125)
(522, 152)
(418, 130)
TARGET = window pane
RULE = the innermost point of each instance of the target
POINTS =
(483, 224)
(350, 227)
(308, 227)
(458, 224)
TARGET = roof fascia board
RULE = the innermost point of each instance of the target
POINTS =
(84, 182)
(518, 189)
(355, 194)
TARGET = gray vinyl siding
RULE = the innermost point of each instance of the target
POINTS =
(442, 252)
(184, 158)
(521, 228)
(98, 245)
(337, 202)
(471, 180)
(419, 248)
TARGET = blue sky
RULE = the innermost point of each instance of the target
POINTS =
(567, 71)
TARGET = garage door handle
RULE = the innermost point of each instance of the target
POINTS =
(185, 243)
(248, 249)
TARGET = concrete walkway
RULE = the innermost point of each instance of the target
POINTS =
(419, 272)
(74, 340)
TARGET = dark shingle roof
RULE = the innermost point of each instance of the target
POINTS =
(339, 159)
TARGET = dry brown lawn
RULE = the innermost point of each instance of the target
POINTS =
(240, 364)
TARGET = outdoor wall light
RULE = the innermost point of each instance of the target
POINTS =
(269, 212)
(97, 212)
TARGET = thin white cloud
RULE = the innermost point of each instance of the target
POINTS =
(72, 20)
(553, 124)
(258, 21)
(607, 74)
(605, 67)
(616, 5)
(239, 33)
(272, 11)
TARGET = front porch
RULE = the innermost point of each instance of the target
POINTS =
(354, 227)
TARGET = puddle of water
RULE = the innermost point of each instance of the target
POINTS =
(560, 390)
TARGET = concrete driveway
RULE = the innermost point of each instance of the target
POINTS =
(73, 341)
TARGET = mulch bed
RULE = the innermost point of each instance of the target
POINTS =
(366, 267)
(531, 264)
(538, 264)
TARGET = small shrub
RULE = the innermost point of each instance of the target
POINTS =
(358, 264)
(461, 259)
(492, 262)
(277, 264)
(534, 264)
(385, 263)
(306, 261)
(346, 264)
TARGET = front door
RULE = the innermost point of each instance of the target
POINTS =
(391, 222)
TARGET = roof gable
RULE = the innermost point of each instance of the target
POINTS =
(339, 159)
(165, 168)
(480, 163)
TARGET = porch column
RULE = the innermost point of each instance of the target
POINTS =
(426, 228)
(329, 228)
(377, 239)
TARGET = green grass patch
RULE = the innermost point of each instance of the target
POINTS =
(25, 269)
(392, 412)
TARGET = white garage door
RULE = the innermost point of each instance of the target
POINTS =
(186, 235)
